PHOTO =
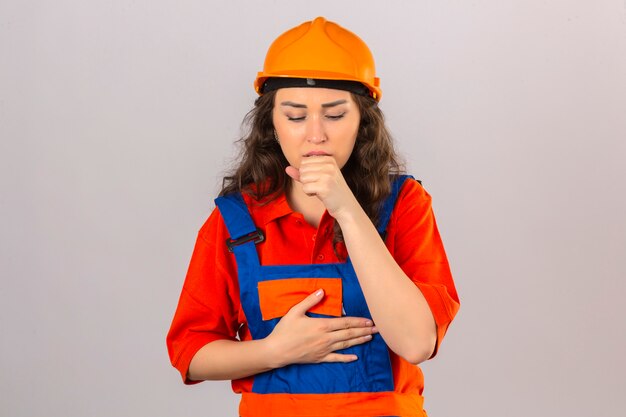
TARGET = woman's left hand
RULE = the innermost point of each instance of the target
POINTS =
(321, 177)
(380, 277)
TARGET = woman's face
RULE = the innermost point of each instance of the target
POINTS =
(315, 121)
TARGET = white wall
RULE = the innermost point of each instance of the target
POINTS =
(117, 118)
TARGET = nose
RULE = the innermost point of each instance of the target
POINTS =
(315, 132)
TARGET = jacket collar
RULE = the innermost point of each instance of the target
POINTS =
(267, 210)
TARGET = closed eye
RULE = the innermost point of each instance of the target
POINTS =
(295, 119)
(335, 117)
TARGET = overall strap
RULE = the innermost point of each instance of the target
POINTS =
(238, 221)
(389, 203)
(244, 235)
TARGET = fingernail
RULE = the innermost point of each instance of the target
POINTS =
(374, 329)
(368, 323)
(319, 293)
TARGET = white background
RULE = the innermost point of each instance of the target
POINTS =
(117, 119)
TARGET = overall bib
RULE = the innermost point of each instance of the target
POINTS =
(267, 293)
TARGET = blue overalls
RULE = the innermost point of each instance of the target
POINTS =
(370, 373)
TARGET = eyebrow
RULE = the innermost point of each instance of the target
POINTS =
(303, 106)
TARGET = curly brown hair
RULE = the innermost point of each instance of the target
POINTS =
(260, 170)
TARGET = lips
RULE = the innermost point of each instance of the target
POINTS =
(316, 153)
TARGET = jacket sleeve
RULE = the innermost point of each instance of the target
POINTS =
(414, 241)
(209, 304)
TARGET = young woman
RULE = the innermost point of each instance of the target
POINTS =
(320, 280)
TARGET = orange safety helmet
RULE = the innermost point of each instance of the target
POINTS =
(320, 50)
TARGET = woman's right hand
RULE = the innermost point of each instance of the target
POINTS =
(298, 338)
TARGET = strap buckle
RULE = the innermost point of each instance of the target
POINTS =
(256, 237)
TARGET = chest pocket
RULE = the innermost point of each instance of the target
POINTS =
(278, 296)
